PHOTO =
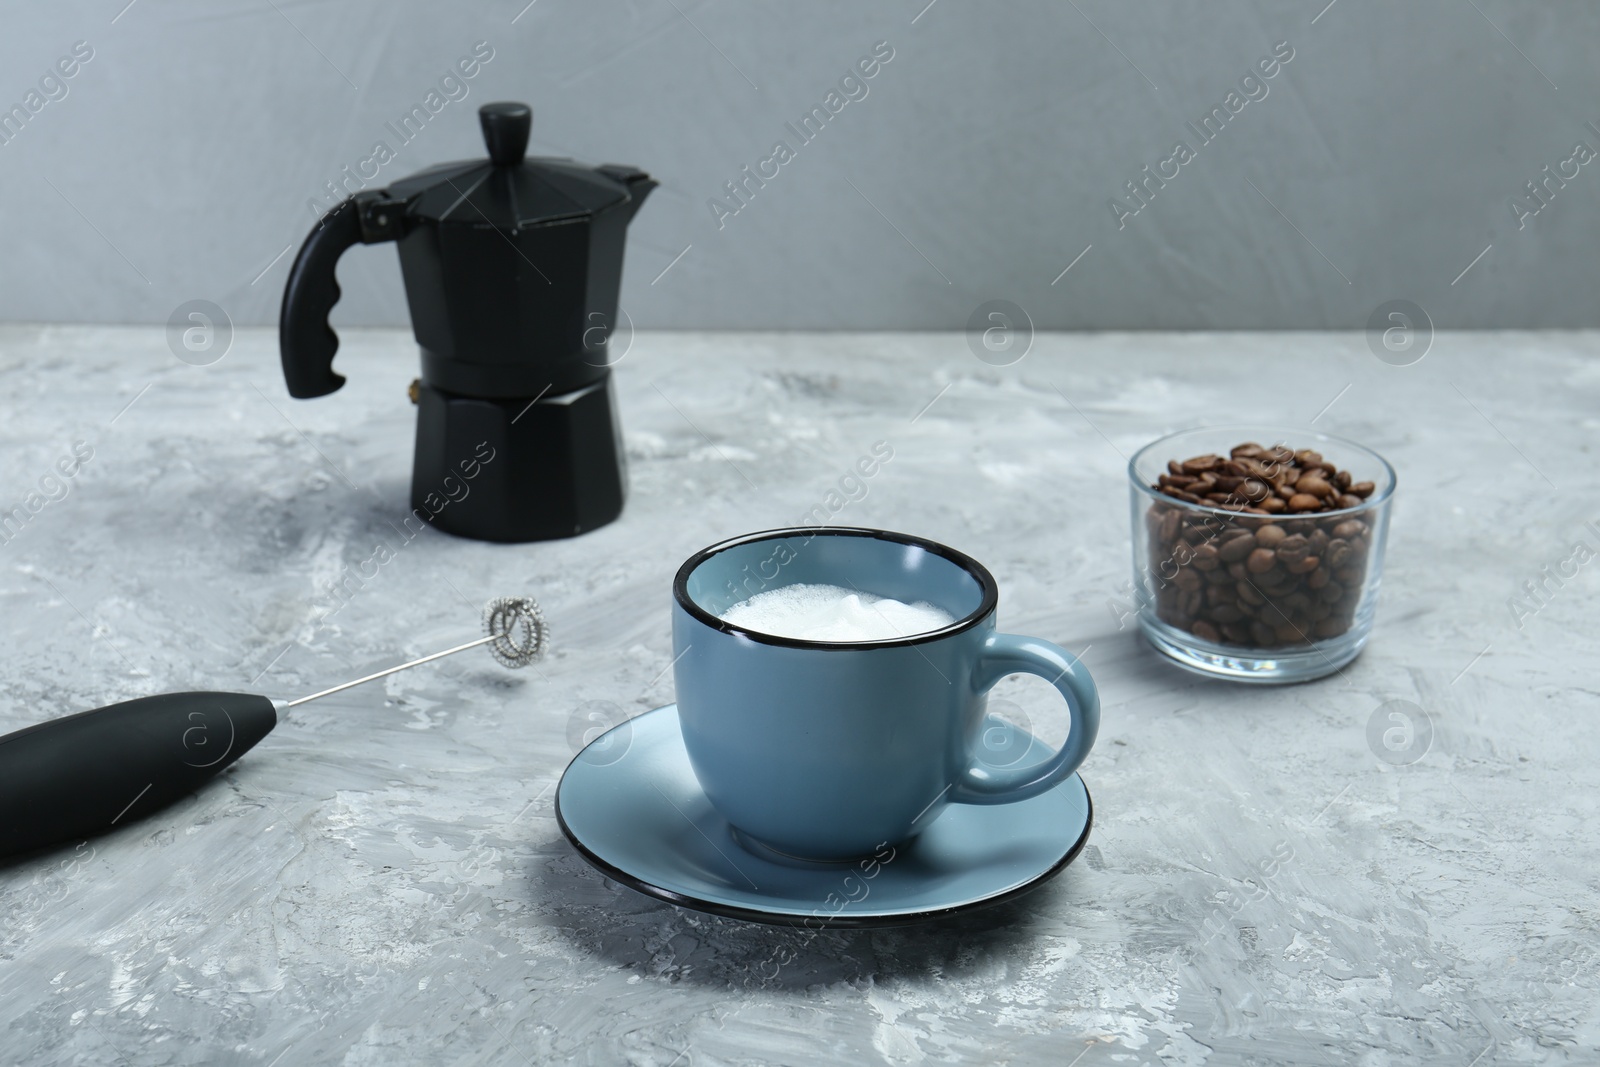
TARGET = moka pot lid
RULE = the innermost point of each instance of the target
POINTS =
(510, 191)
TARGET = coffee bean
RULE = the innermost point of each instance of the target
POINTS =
(1348, 501)
(1338, 552)
(1270, 535)
(1304, 502)
(1200, 463)
(1314, 485)
(1205, 631)
(1350, 529)
(1187, 579)
(1304, 566)
(1293, 548)
(1252, 489)
(1237, 547)
(1348, 575)
(1276, 584)
(1260, 561)
(1362, 489)
(1273, 504)
(1249, 595)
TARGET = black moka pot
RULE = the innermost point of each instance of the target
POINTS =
(512, 267)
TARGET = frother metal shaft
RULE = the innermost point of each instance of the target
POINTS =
(386, 673)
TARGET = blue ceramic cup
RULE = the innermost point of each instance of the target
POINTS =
(828, 750)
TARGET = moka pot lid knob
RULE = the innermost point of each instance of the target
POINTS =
(505, 131)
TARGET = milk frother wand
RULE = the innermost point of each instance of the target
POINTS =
(80, 775)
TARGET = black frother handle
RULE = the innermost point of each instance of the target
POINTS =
(70, 778)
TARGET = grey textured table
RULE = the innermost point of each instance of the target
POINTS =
(382, 880)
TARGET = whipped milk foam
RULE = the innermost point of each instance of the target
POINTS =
(834, 613)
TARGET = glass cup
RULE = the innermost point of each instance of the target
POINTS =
(1256, 597)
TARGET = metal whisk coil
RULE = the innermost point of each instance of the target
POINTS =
(518, 627)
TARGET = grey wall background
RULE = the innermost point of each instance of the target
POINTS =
(980, 164)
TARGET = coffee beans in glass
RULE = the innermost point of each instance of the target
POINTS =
(1257, 552)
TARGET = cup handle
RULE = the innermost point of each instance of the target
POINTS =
(1004, 654)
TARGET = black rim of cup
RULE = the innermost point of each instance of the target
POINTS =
(991, 591)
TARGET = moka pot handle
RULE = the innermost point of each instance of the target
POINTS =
(305, 340)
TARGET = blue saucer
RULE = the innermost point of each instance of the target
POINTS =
(632, 807)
